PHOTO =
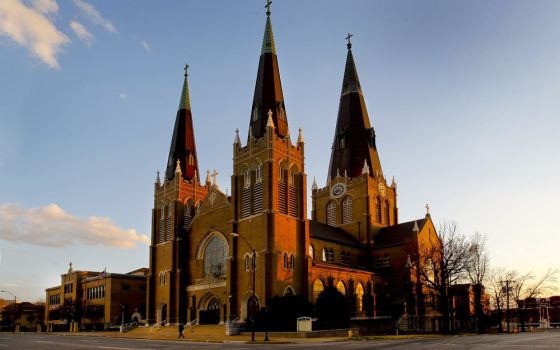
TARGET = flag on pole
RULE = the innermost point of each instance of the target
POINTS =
(102, 274)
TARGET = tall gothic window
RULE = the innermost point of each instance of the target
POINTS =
(378, 209)
(318, 287)
(292, 262)
(347, 210)
(285, 261)
(331, 213)
(341, 287)
(359, 297)
(258, 174)
(386, 213)
(246, 178)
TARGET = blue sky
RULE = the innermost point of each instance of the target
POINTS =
(463, 96)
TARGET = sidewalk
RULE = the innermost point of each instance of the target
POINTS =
(206, 333)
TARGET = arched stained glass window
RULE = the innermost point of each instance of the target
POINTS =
(341, 287)
(318, 287)
(359, 297)
(215, 257)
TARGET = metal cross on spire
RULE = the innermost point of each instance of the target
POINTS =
(427, 209)
(268, 2)
(186, 68)
(348, 38)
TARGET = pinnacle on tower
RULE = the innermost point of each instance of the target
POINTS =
(183, 147)
(268, 89)
(300, 136)
(354, 138)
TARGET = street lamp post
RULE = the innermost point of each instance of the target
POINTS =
(15, 306)
(253, 267)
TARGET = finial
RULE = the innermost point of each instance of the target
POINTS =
(208, 181)
(415, 228)
(300, 136)
(427, 209)
(268, 2)
(186, 68)
(314, 186)
(393, 183)
(70, 268)
(345, 173)
(237, 140)
(365, 168)
(195, 175)
(337, 172)
(178, 167)
(270, 122)
(214, 174)
(158, 181)
(349, 44)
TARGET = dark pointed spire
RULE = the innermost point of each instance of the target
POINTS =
(268, 88)
(183, 147)
(354, 139)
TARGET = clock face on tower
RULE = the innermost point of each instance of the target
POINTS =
(338, 190)
(381, 189)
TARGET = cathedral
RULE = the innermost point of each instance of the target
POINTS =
(216, 257)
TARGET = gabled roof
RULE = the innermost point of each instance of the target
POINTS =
(398, 234)
(333, 234)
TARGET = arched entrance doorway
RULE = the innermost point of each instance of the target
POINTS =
(162, 314)
(253, 307)
(212, 313)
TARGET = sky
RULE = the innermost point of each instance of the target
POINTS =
(463, 95)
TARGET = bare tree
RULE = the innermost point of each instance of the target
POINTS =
(442, 263)
(476, 266)
(498, 292)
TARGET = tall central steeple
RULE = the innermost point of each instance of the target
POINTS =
(354, 140)
(268, 89)
(183, 147)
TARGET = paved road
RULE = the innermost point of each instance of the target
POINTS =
(533, 341)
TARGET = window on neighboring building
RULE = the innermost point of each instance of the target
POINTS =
(325, 256)
(311, 252)
(331, 255)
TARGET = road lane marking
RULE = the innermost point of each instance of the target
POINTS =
(44, 341)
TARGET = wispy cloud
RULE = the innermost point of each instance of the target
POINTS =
(31, 28)
(45, 6)
(146, 46)
(52, 226)
(123, 96)
(81, 32)
(94, 15)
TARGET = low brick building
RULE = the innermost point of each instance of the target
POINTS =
(96, 300)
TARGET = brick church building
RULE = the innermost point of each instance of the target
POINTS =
(205, 243)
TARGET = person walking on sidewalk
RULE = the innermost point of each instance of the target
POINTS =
(181, 330)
